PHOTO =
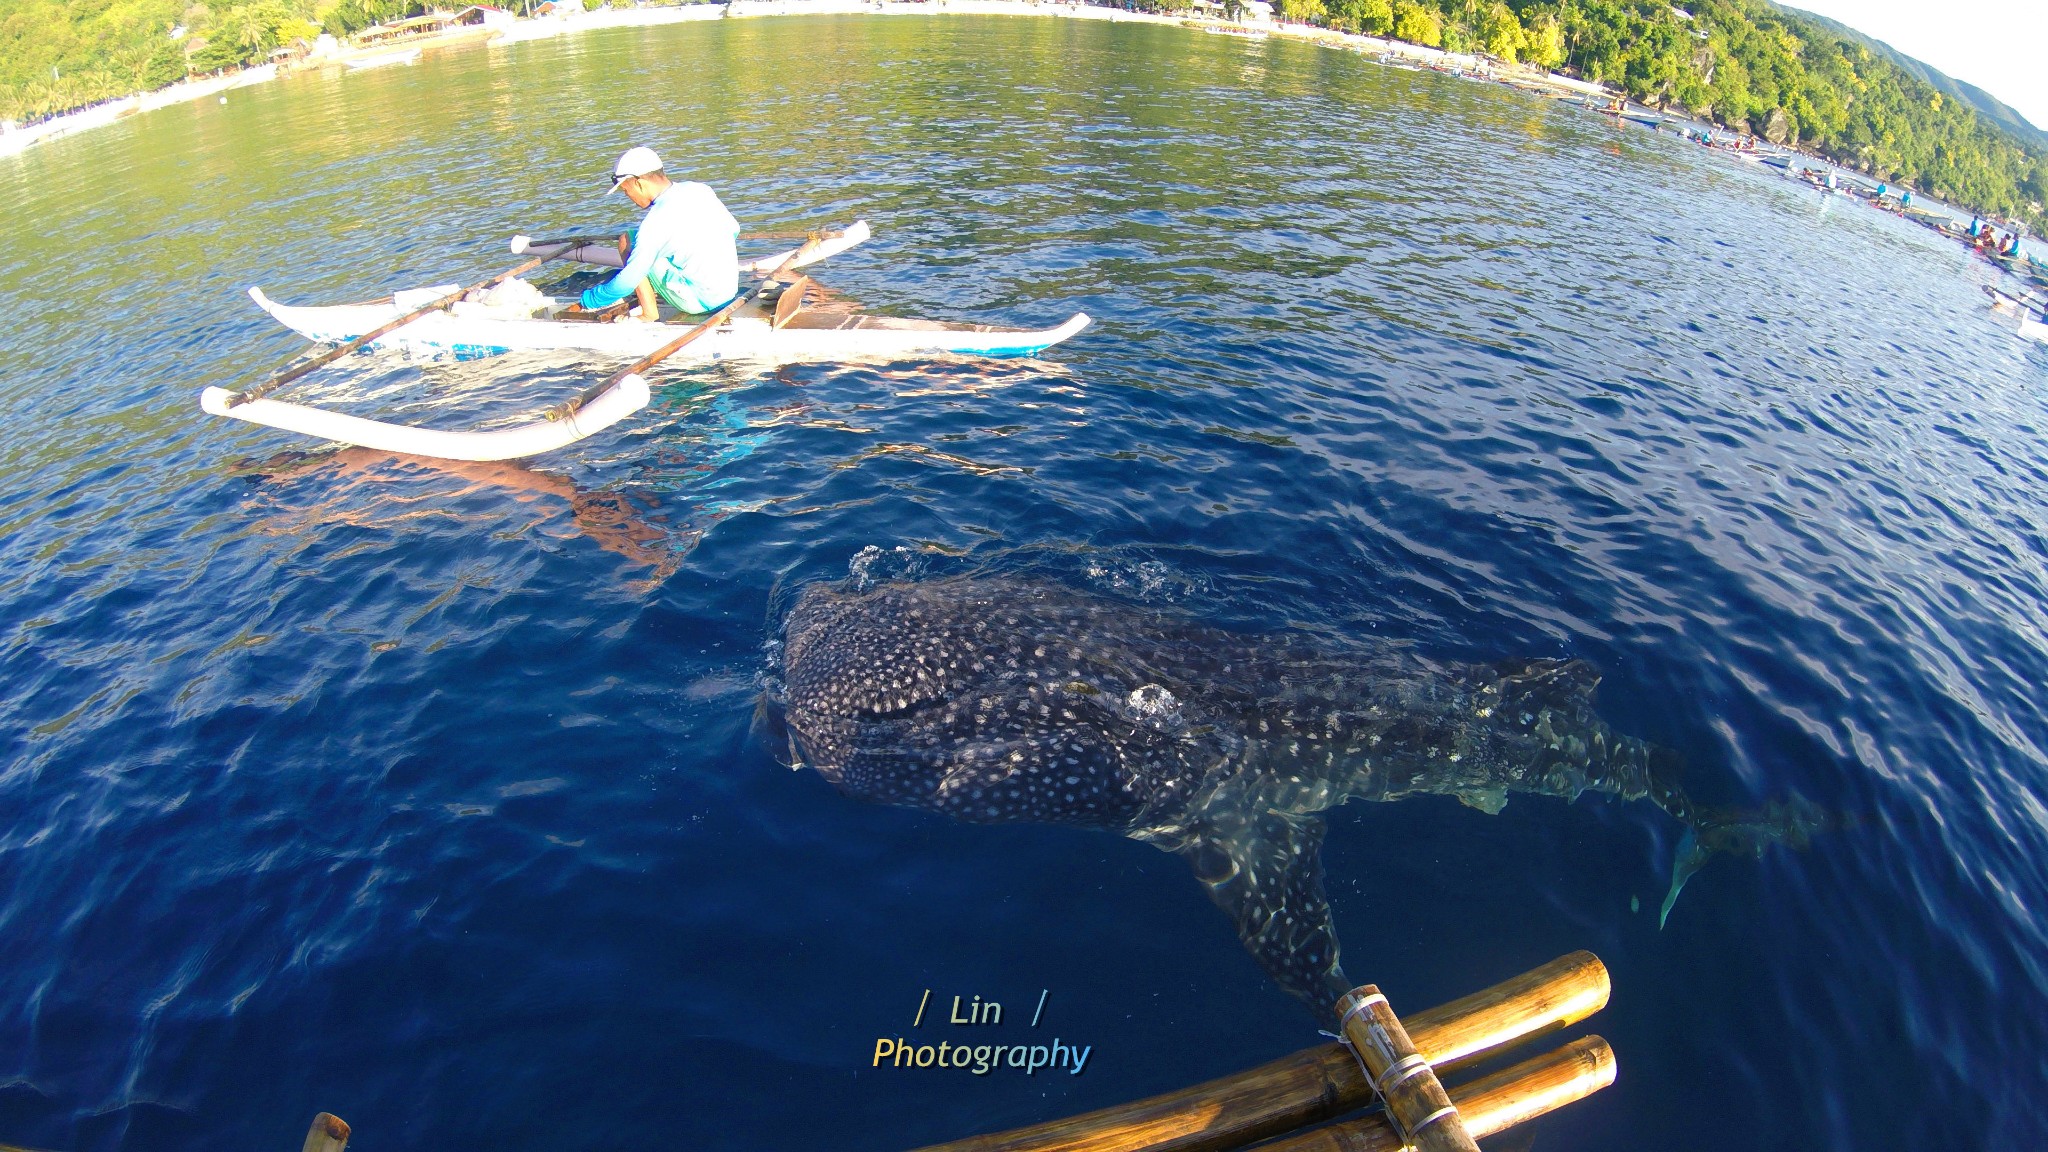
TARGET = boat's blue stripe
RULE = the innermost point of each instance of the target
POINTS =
(483, 351)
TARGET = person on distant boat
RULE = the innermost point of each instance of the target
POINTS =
(1976, 227)
(2011, 247)
(686, 249)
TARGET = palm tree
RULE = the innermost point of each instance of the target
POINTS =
(251, 27)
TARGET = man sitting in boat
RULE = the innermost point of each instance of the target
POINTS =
(686, 249)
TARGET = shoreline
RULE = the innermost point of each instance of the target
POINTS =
(571, 21)
(100, 115)
(521, 31)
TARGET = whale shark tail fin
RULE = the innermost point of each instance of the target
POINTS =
(1265, 870)
(1584, 754)
(1708, 832)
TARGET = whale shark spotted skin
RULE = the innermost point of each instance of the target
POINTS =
(997, 700)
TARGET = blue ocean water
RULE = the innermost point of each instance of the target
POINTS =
(432, 795)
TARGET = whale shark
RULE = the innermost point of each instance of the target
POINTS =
(999, 699)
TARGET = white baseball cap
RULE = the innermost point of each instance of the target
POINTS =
(634, 162)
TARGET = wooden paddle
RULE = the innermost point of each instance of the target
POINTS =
(294, 372)
(647, 362)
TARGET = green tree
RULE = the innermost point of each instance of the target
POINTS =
(1544, 41)
(216, 54)
(1500, 34)
(1372, 16)
(1418, 25)
(1303, 11)
(165, 66)
(345, 19)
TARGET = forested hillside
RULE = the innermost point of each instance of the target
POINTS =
(56, 55)
(1988, 106)
(1746, 64)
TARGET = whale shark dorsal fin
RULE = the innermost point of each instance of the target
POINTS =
(1265, 870)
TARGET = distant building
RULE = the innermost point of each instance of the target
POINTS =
(476, 16)
(1250, 11)
(484, 15)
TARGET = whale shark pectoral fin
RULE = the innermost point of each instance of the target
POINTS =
(1265, 869)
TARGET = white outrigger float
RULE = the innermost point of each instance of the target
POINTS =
(474, 322)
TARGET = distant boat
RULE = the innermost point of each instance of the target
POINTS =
(408, 56)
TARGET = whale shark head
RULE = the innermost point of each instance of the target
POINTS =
(983, 702)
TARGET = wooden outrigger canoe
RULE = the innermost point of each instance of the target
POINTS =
(473, 330)
(772, 332)
(449, 321)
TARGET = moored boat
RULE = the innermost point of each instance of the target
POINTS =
(384, 59)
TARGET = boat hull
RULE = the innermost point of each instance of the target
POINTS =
(471, 332)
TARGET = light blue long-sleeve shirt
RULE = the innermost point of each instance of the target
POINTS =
(686, 247)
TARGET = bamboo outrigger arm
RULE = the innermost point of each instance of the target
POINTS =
(329, 1133)
(528, 439)
(1417, 1104)
(1319, 1084)
(1487, 1105)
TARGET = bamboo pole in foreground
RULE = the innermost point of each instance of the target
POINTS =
(329, 1133)
(1487, 1105)
(1416, 1103)
(1318, 1083)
